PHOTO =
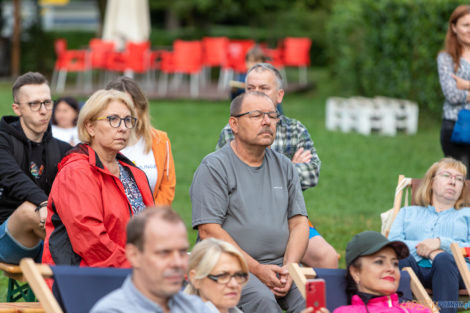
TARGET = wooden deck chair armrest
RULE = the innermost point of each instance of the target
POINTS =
(396, 201)
(33, 273)
(458, 254)
(419, 292)
(300, 275)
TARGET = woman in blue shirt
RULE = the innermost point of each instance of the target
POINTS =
(428, 229)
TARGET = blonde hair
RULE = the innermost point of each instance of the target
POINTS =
(95, 105)
(424, 193)
(206, 255)
(144, 128)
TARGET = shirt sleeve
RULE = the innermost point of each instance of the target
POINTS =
(309, 172)
(398, 232)
(296, 198)
(209, 194)
(445, 68)
(166, 190)
(462, 242)
(225, 136)
(15, 182)
(81, 211)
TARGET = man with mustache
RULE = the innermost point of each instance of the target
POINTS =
(28, 165)
(157, 248)
(250, 196)
(294, 141)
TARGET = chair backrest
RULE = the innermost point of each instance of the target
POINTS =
(335, 281)
(214, 51)
(236, 54)
(100, 50)
(187, 56)
(297, 51)
(79, 288)
(138, 54)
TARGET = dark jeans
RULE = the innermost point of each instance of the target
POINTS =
(459, 152)
(443, 278)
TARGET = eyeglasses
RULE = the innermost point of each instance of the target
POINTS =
(259, 115)
(36, 105)
(448, 176)
(224, 278)
(115, 121)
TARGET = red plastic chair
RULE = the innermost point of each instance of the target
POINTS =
(135, 59)
(237, 50)
(214, 55)
(297, 53)
(236, 54)
(100, 50)
(69, 61)
(187, 59)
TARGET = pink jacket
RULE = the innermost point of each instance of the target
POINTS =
(385, 304)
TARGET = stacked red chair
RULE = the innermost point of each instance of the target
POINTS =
(297, 53)
(187, 59)
(214, 55)
(70, 61)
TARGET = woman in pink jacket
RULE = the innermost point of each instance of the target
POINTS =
(373, 276)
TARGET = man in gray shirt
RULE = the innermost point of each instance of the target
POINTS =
(250, 196)
(157, 247)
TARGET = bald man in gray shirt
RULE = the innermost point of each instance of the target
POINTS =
(250, 196)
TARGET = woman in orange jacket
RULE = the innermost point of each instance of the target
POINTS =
(152, 151)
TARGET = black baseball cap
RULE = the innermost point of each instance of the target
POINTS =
(370, 242)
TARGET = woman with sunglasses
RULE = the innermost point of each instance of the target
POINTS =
(439, 218)
(96, 189)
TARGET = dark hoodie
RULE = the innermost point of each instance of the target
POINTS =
(17, 184)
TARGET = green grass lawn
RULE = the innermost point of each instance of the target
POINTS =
(358, 173)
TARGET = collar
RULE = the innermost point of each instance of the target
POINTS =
(144, 302)
(373, 300)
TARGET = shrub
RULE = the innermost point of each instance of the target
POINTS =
(389, 47)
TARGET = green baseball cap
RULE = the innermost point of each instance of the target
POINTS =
(370, 242)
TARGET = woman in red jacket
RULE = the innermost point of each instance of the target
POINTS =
(97, 189)
(152, 151)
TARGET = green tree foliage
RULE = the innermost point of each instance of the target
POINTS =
(389, 47)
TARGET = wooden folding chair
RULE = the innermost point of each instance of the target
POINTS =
(459, 255)
(335, 280)
(93, 284)
(18, 289)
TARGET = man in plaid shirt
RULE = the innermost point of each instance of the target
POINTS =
(294, 141)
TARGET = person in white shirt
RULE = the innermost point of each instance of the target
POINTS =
(64, 120)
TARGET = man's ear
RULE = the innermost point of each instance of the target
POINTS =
(280, 96)
(132, 254)
(16, 108)
(233, 122)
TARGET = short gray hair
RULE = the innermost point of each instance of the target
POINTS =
(236, 105)
(261, 67)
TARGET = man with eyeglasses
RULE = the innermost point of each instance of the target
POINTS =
(250, 196)
(157, 248)
(294, 141)
(28, 164)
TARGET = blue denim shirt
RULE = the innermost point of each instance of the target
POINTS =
(413, 224)
(129, 299)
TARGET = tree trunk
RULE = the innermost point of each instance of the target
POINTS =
(16, 41)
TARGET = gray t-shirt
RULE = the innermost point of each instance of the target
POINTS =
(253, 204)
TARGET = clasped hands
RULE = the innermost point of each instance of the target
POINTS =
(429, 248)
(275, 277)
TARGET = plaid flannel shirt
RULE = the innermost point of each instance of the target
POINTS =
(291, 135)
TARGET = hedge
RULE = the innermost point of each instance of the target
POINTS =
(389, 47)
